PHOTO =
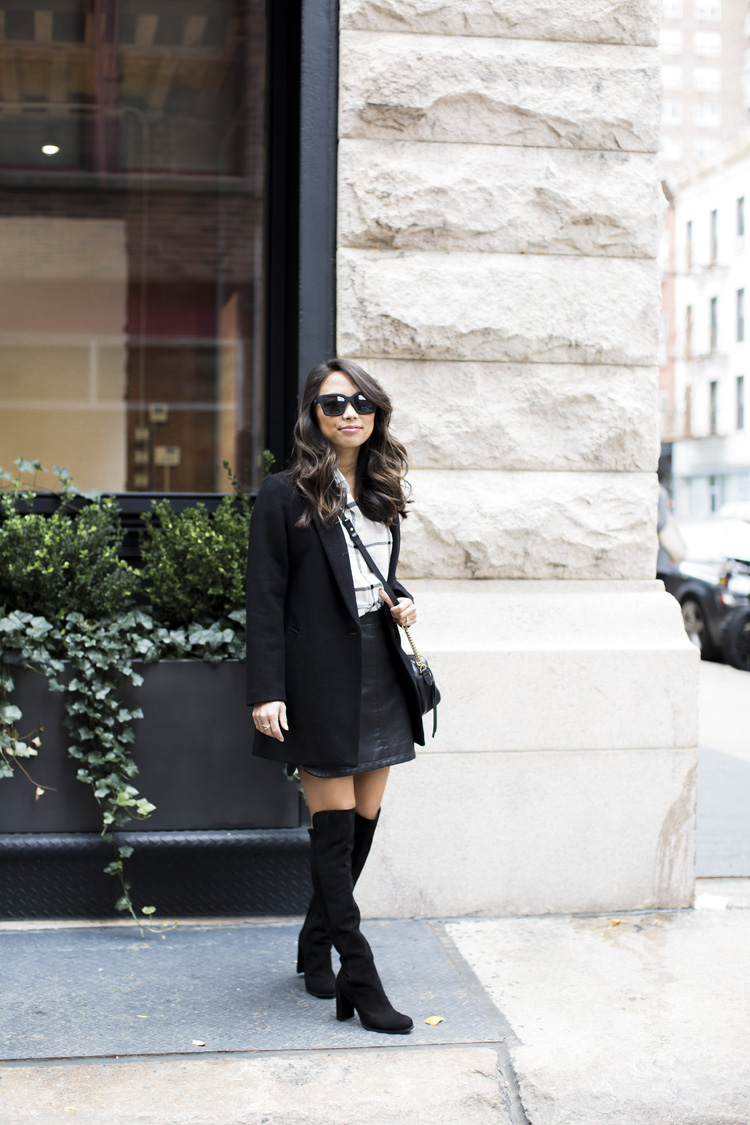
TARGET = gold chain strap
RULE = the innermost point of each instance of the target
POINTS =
(420, 662)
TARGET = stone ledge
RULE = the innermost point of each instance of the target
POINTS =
(523, 416)
(407, 195)
(499, 91)
(500, 307)
(556, 665)
(484, 524)
(534, 833)
(610, 21)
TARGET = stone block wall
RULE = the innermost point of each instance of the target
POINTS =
(499, 221)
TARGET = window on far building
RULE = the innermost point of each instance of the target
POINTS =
(671, 76)
(688, 332)
(741, 217)
(740, 402)
(670, 41)
(671, 111)
(712, 399)
(707, 79)
(707, 115)
(689, 243)
(670, 148)
(706, 44)
(714, 236)
(672, 10)
(714, 322)
(707, 9)
(740, 315)
(702, 146)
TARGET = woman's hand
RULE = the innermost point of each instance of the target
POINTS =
(404, 613)
(269, 718)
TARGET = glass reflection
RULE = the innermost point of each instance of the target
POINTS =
(131, 287)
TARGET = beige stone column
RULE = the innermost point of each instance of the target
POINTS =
(499, 220)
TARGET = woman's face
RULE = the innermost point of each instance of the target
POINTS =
(349, 430)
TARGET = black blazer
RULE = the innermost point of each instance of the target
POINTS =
(303, 632)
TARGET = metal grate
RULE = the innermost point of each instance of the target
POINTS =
(262, 872)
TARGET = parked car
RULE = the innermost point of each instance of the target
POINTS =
(712, 585)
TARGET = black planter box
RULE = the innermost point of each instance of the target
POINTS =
(227, 830)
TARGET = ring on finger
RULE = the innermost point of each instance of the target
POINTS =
(266, 726)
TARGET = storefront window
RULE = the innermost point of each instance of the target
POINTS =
(131, 224)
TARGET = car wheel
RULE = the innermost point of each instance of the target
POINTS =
(737, 642)
(694, 621)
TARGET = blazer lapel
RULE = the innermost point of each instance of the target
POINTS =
(335, 547)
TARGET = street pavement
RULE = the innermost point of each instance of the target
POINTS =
(723, 842)
(638, 1018)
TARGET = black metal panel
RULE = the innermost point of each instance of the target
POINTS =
(282, 223)
(183, 874)
(317, 205)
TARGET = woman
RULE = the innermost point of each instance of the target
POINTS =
(330, 693)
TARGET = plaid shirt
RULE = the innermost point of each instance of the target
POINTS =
(378, 540)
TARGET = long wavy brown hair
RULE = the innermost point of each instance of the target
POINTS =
(381, 465)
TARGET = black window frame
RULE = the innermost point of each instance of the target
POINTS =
(301, 204)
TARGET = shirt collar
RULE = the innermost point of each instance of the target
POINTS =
(349, 499)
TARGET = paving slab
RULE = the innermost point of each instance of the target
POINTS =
(723, 824)
(81, 992)
(636, 1019)
(380, 1086)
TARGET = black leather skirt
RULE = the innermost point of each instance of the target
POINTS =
(385, 730)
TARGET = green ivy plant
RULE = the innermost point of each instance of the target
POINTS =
(68, 611)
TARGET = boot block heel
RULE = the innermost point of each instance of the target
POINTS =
(344, 1007)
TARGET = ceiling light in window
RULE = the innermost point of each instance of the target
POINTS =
(50, 150)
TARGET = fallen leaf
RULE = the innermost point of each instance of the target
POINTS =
(615, 922)
(432, 1020)
(198, 1043)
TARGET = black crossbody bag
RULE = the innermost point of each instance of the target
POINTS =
(417, 667)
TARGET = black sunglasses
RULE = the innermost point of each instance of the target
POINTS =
(335, 405)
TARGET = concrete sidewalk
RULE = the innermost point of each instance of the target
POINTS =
(557, 1020)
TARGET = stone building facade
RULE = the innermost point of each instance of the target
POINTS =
(498, 229)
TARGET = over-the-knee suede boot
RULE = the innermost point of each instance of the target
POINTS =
(358, 985)
(314, 944)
